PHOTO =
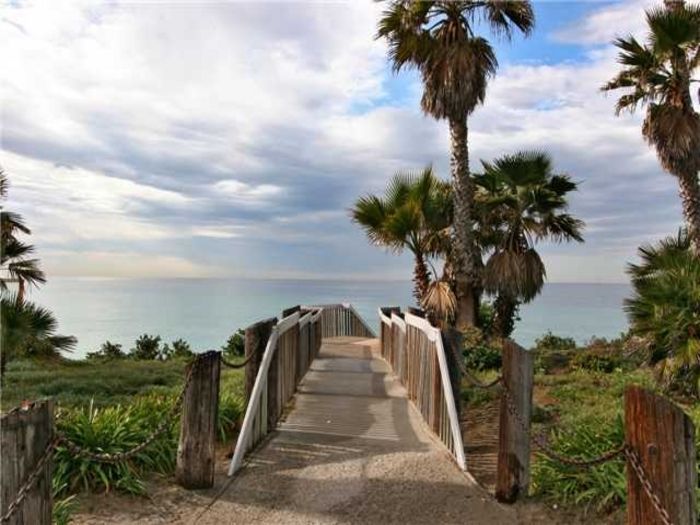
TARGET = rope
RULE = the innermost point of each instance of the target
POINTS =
(647, 486)
(237, 365)
(107, 457)
(470, 378)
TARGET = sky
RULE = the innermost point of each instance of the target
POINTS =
(217, 139)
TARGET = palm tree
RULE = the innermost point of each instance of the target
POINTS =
(14, 254)
(439, 38)
(29, 330)
(414, 214)
(657, 74)
(522, 201)
(664, 309)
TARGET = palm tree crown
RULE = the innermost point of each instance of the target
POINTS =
(522, 201)
(413, 214)
(657, 73)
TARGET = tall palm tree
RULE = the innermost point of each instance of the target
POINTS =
(15, 260)
(440, 39)
(522, 201)
(657, 74)
(413, 214)
(664, 309)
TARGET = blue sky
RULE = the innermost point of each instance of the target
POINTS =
(185, 139)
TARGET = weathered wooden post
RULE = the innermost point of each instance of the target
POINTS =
(513, 475)
(256, 337)
(661, 442)
(25, 436)
(196, 450)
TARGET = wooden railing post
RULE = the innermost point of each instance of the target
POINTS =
(662, 439)
(196, 450)
(25, 436)
(256, 337)
(513, 476)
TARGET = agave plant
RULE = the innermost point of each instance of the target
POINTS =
(664, 309)
(522, 201)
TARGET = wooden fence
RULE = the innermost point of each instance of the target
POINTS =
(415, 351)
(293, 344)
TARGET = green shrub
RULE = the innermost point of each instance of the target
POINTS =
(231, 410)
(602, 487)
(180, 349)
(113, 430)
(598, 360)
(146, 347)
(235, 345)
(108, 350)
(549, 341)
(478, 352)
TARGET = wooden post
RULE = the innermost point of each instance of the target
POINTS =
(196, 450)
(256, 337)
(289, 311)
(273, 389)
(663, 438)
(452, 343)
(25, 435)
(513, 475)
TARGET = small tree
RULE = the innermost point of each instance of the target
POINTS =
(146, 347)
(235, 345)
(180, 349)
(108, 350)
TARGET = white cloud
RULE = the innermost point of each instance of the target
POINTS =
(194, 130)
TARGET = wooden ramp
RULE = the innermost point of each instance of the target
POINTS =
(352, 449)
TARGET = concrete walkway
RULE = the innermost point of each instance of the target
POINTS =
(353, 450)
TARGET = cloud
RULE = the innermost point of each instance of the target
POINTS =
(234, 137)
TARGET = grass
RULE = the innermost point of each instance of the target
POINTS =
(582, 413)
(109, 407)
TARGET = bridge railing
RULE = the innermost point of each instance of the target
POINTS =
(293, 344)
(415, 350)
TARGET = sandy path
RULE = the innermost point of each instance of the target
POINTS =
(352, 450)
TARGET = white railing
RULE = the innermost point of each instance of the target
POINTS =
(294, 343)
(414, 349)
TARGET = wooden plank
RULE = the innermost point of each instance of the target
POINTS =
(513, 475)
(256, 337)
(24, 436)
(196, 448)
(662, 436)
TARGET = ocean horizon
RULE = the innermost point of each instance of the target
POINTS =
(206, 311)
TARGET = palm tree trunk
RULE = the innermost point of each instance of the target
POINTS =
(20, 291)
(421, 279)
(690, 199)
(463, 226)
(506, 309)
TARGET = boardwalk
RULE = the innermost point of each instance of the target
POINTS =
(353, 450)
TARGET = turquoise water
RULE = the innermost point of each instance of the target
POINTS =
(206, 311)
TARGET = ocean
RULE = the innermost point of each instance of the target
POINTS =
(205, 312)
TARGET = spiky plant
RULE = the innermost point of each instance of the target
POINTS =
(665, 309)
(657, 74)
(440, 38)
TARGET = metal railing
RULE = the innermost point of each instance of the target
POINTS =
(415, 351)
(294, 343)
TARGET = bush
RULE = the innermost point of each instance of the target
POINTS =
(180, 350)
(235, 345)
(147, 347)
(602, 487)
(108, 350)
(479, 354)
(549, 341)
(598, 360)
(113, 430)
